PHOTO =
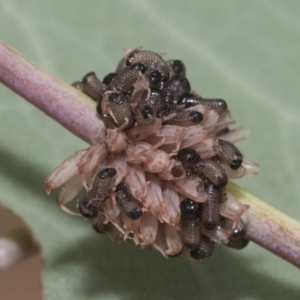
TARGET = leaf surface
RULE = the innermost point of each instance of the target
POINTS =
(244, 52)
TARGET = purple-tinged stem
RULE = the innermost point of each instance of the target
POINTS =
(269, 227)
(72, 109)
(266, 226)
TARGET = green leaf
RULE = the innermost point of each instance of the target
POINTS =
(244, 52)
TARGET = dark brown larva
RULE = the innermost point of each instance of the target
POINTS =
(151, 60)
(211, 170)
(230, 154)
(218, 105)
(239, 230)
(149, 107)
(222, 197)
(93, 87)
(123, 81)
(184, 118)
(91, 203)
(99, 225)
(176, 67)
(188, 156)
(108, 78)
(127, 203)
(121, 110)
(237, 243)
(155, 98)
(238, 240)
(208, 169)
(188, 100)
(205, 249)
(107, 119)
(210, 214)
(176, 87)
(190, 223)
(140, 67)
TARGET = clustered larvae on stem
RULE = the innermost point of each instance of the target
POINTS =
(159, 177)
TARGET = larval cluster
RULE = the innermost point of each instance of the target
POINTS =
(159, 177)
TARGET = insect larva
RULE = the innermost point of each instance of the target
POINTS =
(207, 169)
(91, 203)
(211, 170)
(210, 214)
(176, 67)
(176, 87)
(93, 87)
(123, 81)
(190, 223)
(204, 250)
(152, 61)
(230, 154)
(188, 100)
(149, 107)
(128, 204)
(121, 110)
(108, 78)
(238, 240)
(184, 118)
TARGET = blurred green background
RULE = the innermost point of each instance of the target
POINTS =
(246, 52)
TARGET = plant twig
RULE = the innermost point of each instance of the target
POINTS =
(72, 109)
(269, 227)
(266, 226)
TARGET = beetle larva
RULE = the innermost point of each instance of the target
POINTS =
(165, 161)
(176, 67)
(153, 63)
(238, 240)
(127, 203)
(190, 223)
(120, 110)
(148, 107)
(210, 214)
(123, 81)
(212, 171)
(204, 250)
(91, 203)
(230, 154)
(187, 100)
(92, 86)
(185, 118)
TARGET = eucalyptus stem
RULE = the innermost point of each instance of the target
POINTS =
(72, 109)
(269, 227)
(266, 226)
